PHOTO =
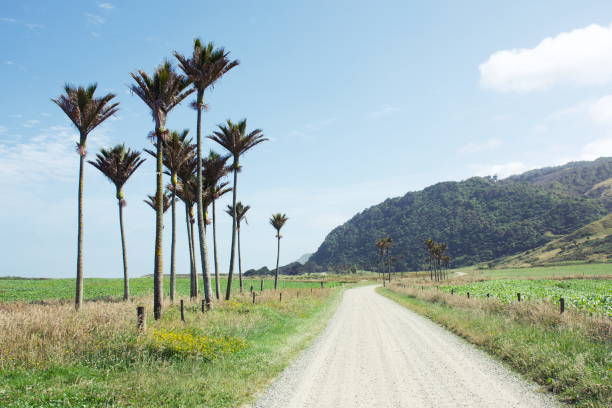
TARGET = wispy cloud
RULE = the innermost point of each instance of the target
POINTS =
(383, 111)
(94, 19)
(9, 62)
(33, 26)
(478, 147)
(7, 20)
(106, 6)
(30, 26)
(309, 129)
(31, 123)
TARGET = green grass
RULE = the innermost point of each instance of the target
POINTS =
(591, 295)
(595, 269)
(564, 358)
(110, 365)
(12, 289)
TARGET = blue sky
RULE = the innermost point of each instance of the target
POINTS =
(361, 101)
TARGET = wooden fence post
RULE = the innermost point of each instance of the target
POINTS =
(280, 296)
(182, 310)
(452, 291)
(561, 305)
(203, 305)
(321, 284)
(261, 286)
(251, 290)
(253, 297)
(518, 296)
(140, 318)
(487, 294)
(468, 295)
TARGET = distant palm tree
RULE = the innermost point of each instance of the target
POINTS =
(118, 164)
(277, 221)
(235, 139)
(177, 151)
(384, 245)
(86, 112)
(241, 211)
(152, 202)
(161, 93)
(204, 67)
(215, 168)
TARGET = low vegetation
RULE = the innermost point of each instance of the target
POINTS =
(52, 356)
(570, 354)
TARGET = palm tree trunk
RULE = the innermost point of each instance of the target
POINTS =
(191, 254)
(239, 262)
(277, 259)
(158, 283)
(173, 247)
(228, 291)
(194, 278)
(78, 299)
(126, 282)
(200, 210)
(217, 281)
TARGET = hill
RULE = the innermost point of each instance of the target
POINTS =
(591, 243)
(481, 218)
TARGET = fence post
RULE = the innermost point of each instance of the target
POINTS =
(261, 286)
(280, 296)
(487, 295)
(203, 305)
(140, 318)
(452, 291)
(468, 295)
(182, 310)
(561, 305)
(251, 290)
(321, 284)
(253, 297)
(518, 296)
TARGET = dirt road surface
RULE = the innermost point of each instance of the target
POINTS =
(376, 353)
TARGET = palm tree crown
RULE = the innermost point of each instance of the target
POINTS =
(161, 92)
(235, 139)
(215, 167)
(241, 211)
(85, 110)
(205, 65)
(118, 164)
(278, 221)
(167, 201)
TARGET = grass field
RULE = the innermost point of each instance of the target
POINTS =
(52, 356)
(578, 269)
(591, 295)
(569, 354)
(95, 288)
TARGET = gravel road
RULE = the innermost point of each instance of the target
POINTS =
(376, 353)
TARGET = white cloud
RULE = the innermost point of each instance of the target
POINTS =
(597, 148)
(582, 56)
(500, 170)
(8, 20)
(106, 6)
(33, 26)
(600, 110)
(9, 62)
(383, 111)
(475, 147)
(94, 19)
(30, 123)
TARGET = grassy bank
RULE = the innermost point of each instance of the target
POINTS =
(569, 354)
(52, 356)
(12, 289)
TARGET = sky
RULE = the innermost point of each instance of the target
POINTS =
(361, 101)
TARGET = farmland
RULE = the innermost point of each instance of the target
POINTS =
(17, 289)
(591, 295)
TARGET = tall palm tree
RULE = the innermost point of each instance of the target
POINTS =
(277, 220)
(161, 93)
(204, 68)
(118, 164)
(241, 211)
(86, 112)
(177, 151)
(215, 168)
(235, 139)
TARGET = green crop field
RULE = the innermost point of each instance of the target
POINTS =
(579, 269)
(96, 288)
(591, 295)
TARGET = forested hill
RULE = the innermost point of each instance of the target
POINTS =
(480, 218)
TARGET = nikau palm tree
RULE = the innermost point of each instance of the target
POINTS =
(161, 93)
(118, 164)
(204, 67)
(177, 151)
(241, 211)
(215, 168)
(235, 139)
(86, 112)
(277, 221)
(151, 201)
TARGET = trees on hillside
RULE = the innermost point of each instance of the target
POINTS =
(118, 164)
(277, 221)
(439, 261)
(86, 111)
